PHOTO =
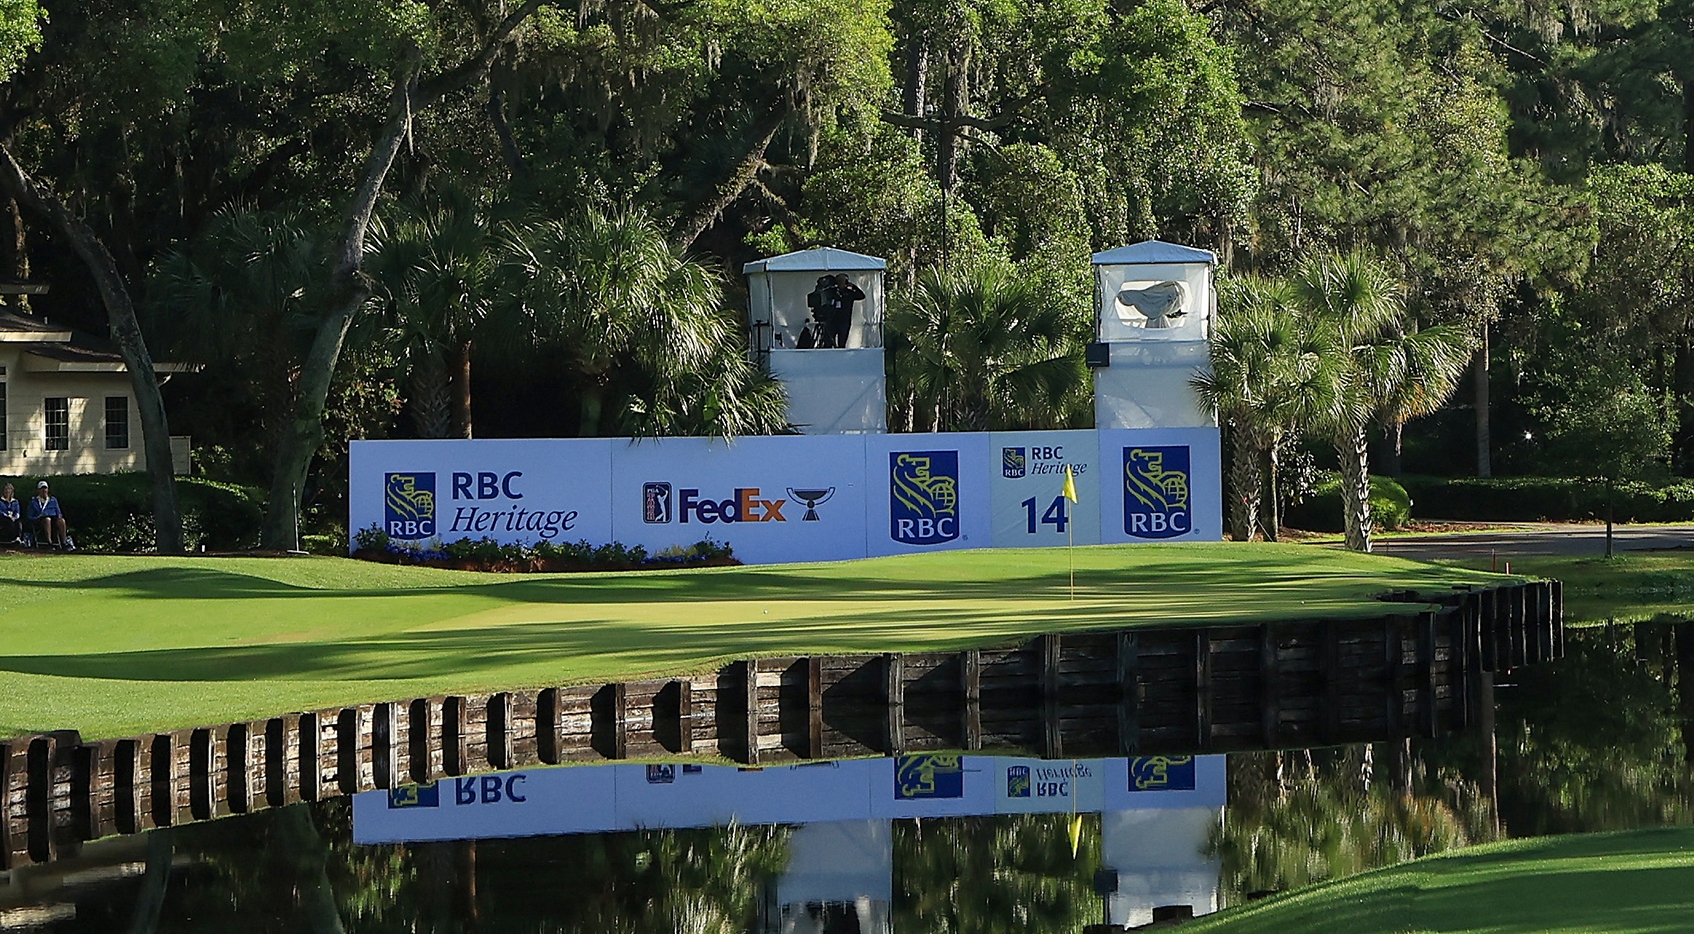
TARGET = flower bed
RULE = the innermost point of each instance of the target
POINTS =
(486, 554)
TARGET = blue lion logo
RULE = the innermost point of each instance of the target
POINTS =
(923, 491)
(408, 505)
(1155, 500)
(929, 775)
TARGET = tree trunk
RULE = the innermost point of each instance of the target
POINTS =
(1273, 491)
(144, 918)
(1489, 781)
(742, 175)
(955, 94)
(1479, 381)
(460, 376)
(1685, 687)
(430, 408)
(1394, 436)
(1354, 453)
(349, 289)
(1611, 496)
(310, 854)
(1246, 481)
(126, 331)
(1682, 406)
(515, 163)
(915, 99)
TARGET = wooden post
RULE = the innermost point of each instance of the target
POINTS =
(1052, 734)
(310, 753)
(126, 790)
(499, 726)
(1270, 686)
(420, 747)
(455, 759)
(38, 798)
(385, 746)
(88, 782)
(1129, 696)
(237, 749)
(608, 711)
(684, 715)
(814, 707)
(1558, 599)
(202, 774)
(1429, 722)
(162, 770)
(1203, 689)
(547, 726)
(970, 688)
(1329, 714)
(1393, 677)
(894, 692)
(5, 806)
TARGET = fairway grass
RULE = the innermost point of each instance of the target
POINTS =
(1632, 586)
(1632, 882)
(114, 646)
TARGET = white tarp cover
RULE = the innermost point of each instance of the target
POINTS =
(833, 392)
(795, 497)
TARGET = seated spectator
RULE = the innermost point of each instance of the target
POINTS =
(11, 516)
(48, 520)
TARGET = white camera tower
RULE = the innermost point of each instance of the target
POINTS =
(1154, 306)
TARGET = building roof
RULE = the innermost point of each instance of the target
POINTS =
(1154, 251)
(16, 328)
(822, 259)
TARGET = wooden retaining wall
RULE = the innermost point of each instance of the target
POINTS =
(1179, 690)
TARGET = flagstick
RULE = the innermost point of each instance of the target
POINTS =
(1070, 553)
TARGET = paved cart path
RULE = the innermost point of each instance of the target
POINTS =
(1537, 539)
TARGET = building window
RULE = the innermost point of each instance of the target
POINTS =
(58, 423)
(117, 423)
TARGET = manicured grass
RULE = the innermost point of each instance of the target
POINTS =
(119, 645)
(1615, 883)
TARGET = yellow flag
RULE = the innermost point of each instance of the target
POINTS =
(1076, 833)
(1070, 485)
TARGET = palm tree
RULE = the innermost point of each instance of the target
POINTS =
(978, 347)
(1271, 373)
(1385, 372)
(640, 324)
(437, 268)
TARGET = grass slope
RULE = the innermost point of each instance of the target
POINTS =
(1632, 586)
(1615, 883)
(119, 645)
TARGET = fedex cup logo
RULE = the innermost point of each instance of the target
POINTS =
(923, 497)
(408, 505)
(1155, 492)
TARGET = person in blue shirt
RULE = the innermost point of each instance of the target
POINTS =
(48, 519)
(11, 516)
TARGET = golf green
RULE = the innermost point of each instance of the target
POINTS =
(1615, 883)
(114, 646)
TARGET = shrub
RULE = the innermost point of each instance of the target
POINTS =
(114, 512)
(1548, 499)
(1390, 505)
(486, 554)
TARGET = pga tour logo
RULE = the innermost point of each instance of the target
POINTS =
(1155, 492)
(408, 505)
(923, 497)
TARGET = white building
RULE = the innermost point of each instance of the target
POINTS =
(66, 406)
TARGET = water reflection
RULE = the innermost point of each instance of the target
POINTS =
(1599, 740)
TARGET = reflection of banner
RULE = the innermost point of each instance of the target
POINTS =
(414, 796)
(1161, 773)
(929, 775)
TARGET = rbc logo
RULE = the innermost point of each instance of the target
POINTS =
(929, 775)
(923, 497)
(408, 505)
(1155, 497)
(1161, 773)
(414, 796)
(1017, 781)
(1012, 461)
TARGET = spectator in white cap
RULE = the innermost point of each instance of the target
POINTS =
(48, 520)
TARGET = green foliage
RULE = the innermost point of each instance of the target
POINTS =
(982, 873)
(20, 32)
(1548, 499)
(114, 512)
(1320, 511)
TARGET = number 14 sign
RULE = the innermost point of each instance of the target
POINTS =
(1027, 488)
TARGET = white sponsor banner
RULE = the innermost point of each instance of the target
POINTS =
(797, 497)
(421, 492)
(927, 492)
(609, 798)
(774, 499)
(1160, 484)
(1026, 488)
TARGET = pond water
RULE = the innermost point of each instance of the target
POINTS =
(1602, 739)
